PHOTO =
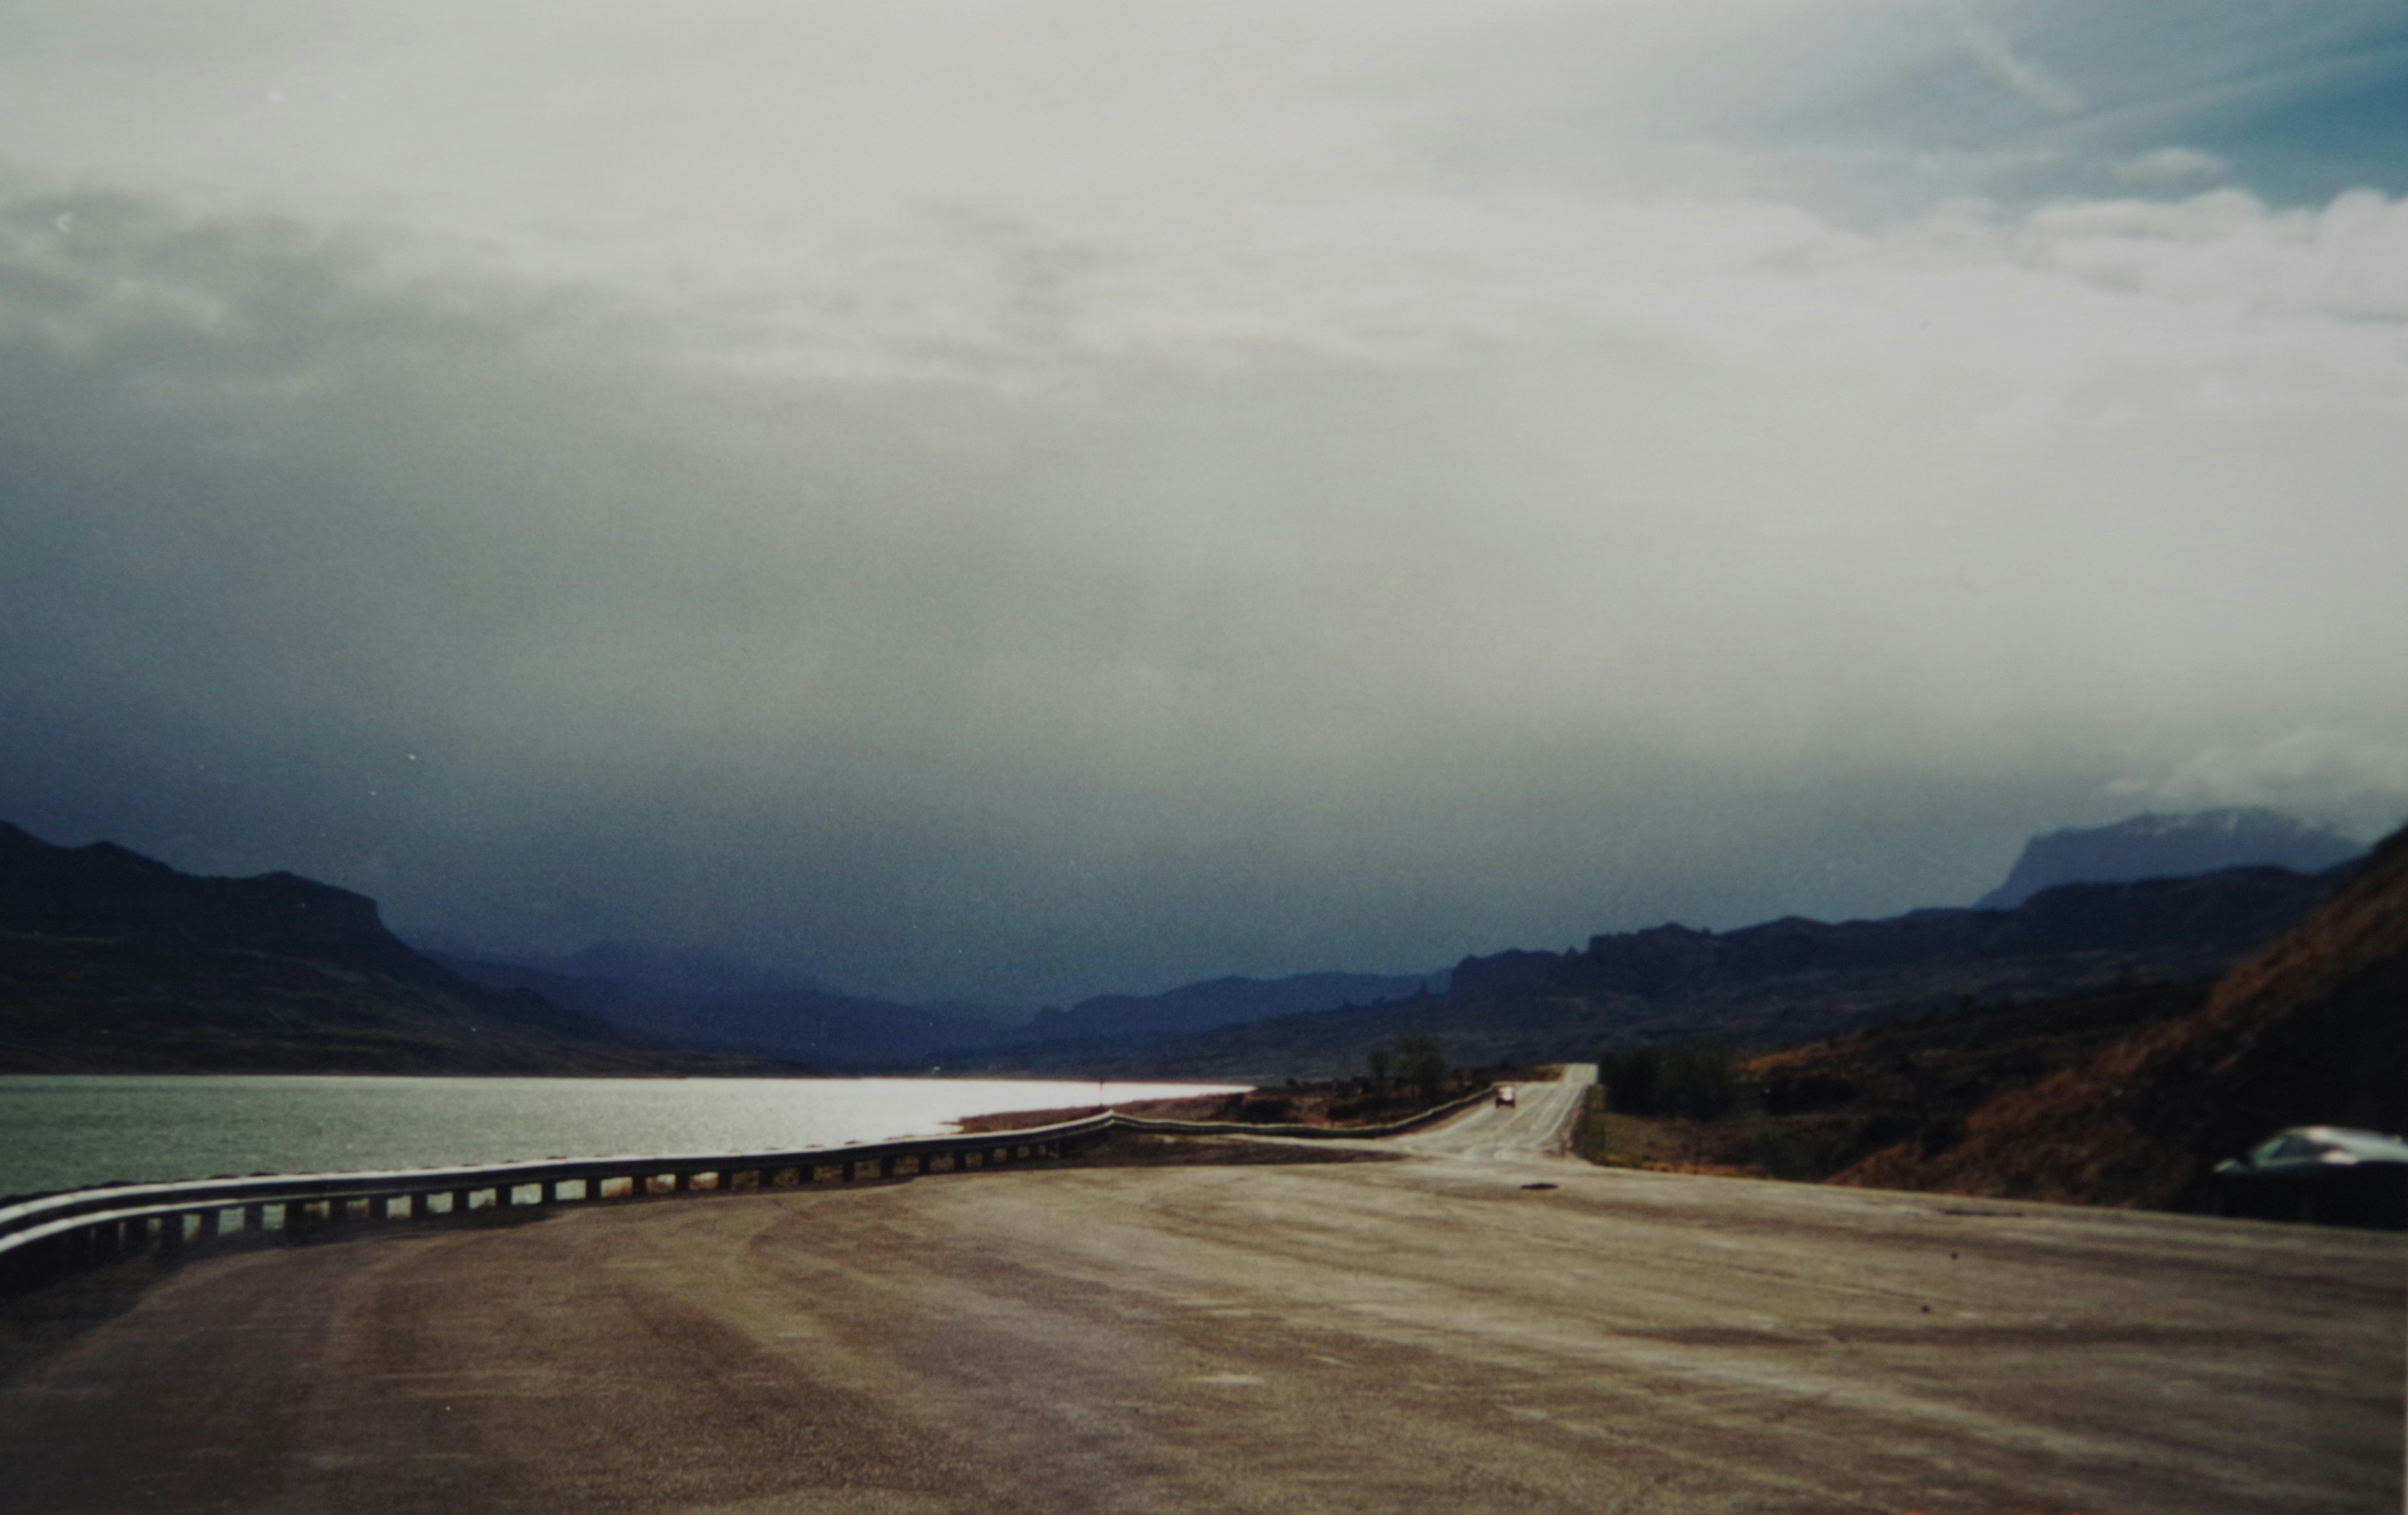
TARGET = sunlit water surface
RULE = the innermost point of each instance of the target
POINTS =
(64, 1133)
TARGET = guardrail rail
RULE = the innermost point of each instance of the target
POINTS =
(46, 1236)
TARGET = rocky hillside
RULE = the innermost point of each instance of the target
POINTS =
(1785, 982)
(104, 891)
(114, 963)
(2171, 847)
(2312, 1029)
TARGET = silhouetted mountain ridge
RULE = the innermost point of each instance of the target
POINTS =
(1783, 982)
(819, 1025)
(105, 890)
(1217, 1002)
(113, 962)
(2155, 846)
(2167, 918)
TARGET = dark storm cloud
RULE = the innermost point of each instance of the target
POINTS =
(1050, 574)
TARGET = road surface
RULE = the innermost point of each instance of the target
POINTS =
(1417, 1335)
(1537, 1125)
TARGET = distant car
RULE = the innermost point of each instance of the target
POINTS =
(2320, 1173)
(1505, 1095)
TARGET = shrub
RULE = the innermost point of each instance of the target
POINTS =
(1420, 1064)
(1695, 1081)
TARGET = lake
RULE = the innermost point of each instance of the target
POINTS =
(70, 1132)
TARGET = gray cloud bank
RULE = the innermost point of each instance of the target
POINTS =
(1024, 597)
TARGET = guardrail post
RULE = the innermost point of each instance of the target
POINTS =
(200, 1210)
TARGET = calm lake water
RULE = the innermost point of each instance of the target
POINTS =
(66, 1133)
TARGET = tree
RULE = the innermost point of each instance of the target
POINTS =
(1420, 1064)
(1380, 1062)
(1698, 1080)
(1701, 1081)
(1633, 1079)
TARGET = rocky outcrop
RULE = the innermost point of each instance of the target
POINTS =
(2157, 927)
(2169, 847)
(114, 963)
(105, 892)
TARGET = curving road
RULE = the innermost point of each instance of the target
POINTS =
(1331, 1335)
(1538, 1125)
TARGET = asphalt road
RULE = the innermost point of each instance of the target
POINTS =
(1536, 1125)
(1422, 1335)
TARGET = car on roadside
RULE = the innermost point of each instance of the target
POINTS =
(1506, 1096)
(2324, 1174)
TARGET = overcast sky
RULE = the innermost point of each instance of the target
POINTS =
(1019, 499)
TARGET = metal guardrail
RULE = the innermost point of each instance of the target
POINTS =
(48, 1236)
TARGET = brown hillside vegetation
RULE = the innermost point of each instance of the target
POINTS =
(2312, 1029)
(1814, 1110)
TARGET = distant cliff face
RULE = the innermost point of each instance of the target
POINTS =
(112, 963)
(2169, 847)
(1781, 983)
(104, 891)
(2163, 927)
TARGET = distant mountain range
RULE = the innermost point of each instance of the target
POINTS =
(1220, 1002)
(1785, 981)
(111, 961)
(818, 1026)
(826, 1026)
(2169, 847)
(107, 953)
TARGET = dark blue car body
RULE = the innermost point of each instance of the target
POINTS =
(2328, 1175)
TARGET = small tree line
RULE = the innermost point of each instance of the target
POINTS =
(1697, 1081)
(1416, 1062)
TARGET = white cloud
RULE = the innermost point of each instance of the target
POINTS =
(1997, 57)
(2169, 164)
(2318, 770)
